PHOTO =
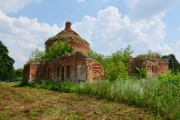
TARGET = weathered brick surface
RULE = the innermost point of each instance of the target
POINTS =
(95, 70)
(73, 39)
(76, 67)
(153, 66)
(33, 70)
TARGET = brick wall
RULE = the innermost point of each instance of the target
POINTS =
(76, 67)
(95, 70)
(77, 46)
(153, 66)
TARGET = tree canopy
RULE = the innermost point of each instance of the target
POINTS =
(18, 74)
(58, 49)
(6, 64)
(115, 65)
(37, 55)
(173, 63)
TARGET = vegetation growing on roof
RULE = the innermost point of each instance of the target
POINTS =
(37, 55)
(149, 54)
(58, 49)
(67, 38)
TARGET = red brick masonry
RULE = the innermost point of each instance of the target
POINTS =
(77, 67)
(67, 35)
(153, 66)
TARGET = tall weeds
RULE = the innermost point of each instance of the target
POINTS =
(161, 94)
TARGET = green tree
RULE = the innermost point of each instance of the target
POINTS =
(141, 73)
(58, 49)
(18, 74)
(115, 65)
(173, 63)
(37, 55)
(122, 55)
(6, 64)
(99, 57)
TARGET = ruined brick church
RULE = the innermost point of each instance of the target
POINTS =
(77, 66)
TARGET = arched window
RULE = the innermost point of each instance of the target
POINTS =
(58, 72)
(48, 74)
(68, 72)
(62, 73)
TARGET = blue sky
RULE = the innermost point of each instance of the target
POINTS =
(108, 25)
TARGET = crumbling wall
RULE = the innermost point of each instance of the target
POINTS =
(153, 66)
(26, 72)
(71, 37)
(76, 45)
(95, 70)
(76, 67)
(80, 46)
(33, 71)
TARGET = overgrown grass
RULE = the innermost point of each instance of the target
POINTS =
(161, 94)
(28, 103)
(66, 86)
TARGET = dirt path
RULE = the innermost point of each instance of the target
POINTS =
(24, 103)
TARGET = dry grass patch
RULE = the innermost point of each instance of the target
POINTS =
(30, 103)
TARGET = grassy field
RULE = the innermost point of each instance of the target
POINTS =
(23, 103)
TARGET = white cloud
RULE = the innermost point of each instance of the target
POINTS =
(161, 48)
(13, 6)
(176, 47)
(165, 49)
(178, 42)
(141, 9)
(85, 27)
(178, 28)
(80, 1)
(22, 35)
(110, 31)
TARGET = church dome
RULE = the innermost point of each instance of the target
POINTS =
(71, 37)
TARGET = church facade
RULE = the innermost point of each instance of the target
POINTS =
(76, 67)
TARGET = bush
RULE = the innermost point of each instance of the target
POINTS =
(58, 49)
(141, 73)
(115, 65)
(18, 74)
(162, 95)
(37, 55)
(64, 86)
(149, 54)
